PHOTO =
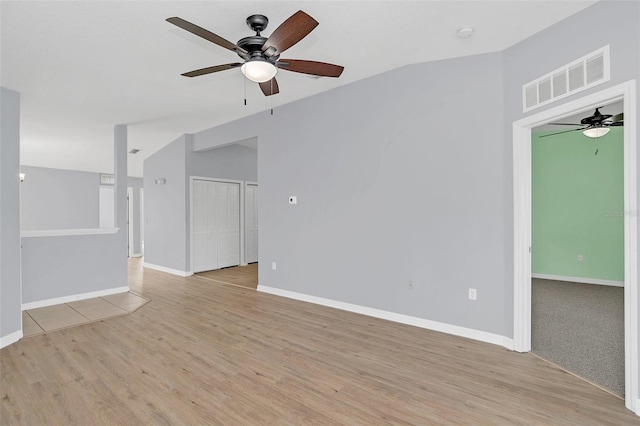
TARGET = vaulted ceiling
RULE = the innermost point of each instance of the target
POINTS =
(84, 66)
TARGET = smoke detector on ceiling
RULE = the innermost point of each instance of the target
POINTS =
(466, 32)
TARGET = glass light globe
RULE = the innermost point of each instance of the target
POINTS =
(259, 70)
(596, 132)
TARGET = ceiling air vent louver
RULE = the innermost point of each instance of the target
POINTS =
(107, 179)
(581, 74)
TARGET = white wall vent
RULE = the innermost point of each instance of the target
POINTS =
(107, 179)
(581, 74)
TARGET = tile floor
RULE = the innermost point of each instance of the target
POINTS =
(40, 320)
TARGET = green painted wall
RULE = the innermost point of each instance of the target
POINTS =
(577, 205)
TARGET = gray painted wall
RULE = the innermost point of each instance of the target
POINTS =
(136, 184)
(59, 199)
(49, 265)
(618, 24)
(388, 191)
(167, 220)
(10, 306)
(60, 266)
(165, 207)
(230, 162)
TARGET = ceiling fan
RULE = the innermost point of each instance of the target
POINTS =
(261, 55)
(596, 125)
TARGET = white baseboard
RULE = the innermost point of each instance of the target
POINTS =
(136, 255)
(167, 270)
(578, 280)
(73, 298)
(470, 333)
(10, 338)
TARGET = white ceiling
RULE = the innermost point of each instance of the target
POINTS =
(84, 66)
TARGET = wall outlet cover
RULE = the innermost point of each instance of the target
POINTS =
(473, 294)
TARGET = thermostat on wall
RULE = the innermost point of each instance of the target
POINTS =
(293, 199)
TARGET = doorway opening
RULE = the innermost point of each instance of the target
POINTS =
(577, 264)
(522, 222)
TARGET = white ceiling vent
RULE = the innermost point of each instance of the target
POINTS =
(581, 74)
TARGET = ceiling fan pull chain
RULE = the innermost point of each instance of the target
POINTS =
(271, 98)
(245, 91)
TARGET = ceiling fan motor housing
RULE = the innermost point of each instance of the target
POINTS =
(596, 119)
(253, 45)
(257, 23)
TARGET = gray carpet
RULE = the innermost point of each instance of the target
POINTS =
(580, 327)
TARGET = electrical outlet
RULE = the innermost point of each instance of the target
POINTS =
(273, 265)
(410, 285)
(473, 294)
(580, 258)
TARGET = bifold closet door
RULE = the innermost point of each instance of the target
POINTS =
(205, 226)
(228, 224)
(251, 223)
(216, 225)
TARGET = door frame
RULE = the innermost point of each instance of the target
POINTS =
(522, 223)
(246, 184)
(241, 221)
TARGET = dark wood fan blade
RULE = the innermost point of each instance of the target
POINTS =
(566, 131)
(566, 124)
(321, 69)
(210, 70)
(291, 31)
(270, 87)
(206, 34)
(616, 124)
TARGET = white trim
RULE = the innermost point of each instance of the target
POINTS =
(522, 222)
(246, 184)
(638, 407)
(68, 232)
(74, 298)
(240, 183)
(580, 280)
(167, 270)
(455, 330)
(10, 338)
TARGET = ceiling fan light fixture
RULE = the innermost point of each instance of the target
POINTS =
(596, 132)
(259, 70)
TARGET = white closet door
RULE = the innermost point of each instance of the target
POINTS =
(251, 223)
(205, 226)
(228, 224)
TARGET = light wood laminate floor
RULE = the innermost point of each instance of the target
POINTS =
(214, 354)
(242, 276)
